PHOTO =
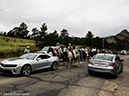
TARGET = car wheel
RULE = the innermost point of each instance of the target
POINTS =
(54, 66)
(26, 70)
(90, 72)
(117, 73)
(121, 68)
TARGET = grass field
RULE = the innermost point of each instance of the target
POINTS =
(9, 47)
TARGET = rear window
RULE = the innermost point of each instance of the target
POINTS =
(103, 57)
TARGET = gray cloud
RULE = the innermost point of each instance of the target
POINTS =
(102, 17)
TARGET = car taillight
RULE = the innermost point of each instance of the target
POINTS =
(112, 64)
(89, 61)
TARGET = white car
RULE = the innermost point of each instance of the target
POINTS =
(123, 52)
(46, 48)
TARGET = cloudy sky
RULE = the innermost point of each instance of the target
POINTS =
(101, 17)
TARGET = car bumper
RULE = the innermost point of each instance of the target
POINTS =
(10, 70)
(111, 70)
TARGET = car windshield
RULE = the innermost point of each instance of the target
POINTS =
(45, 49)
(103, 57)
(28, 56)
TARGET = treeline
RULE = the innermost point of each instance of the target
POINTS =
(44, 38)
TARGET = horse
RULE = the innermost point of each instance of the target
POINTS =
(71, 58)
(78, 59)
(53, 52)
(84, 55)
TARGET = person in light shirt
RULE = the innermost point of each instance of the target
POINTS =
(58, 49)
(27, 50)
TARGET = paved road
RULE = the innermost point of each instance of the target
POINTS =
(67, 82)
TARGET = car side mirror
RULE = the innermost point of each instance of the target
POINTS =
(38, 59)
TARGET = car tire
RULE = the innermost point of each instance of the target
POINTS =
(116, 74)
(121, 69)
(90, 72)
(26, 70)
(54, 66)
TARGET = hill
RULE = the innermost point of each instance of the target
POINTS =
(10, 46)
(122, 37)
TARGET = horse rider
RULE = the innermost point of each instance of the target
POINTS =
(69, 47)
(72, 50)
(73, 46)
(58, 49)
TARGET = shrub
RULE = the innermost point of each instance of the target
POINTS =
(7, 40)
(14, 40)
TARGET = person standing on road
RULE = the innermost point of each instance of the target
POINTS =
(27, 50)
(19, 48)
(58, 49)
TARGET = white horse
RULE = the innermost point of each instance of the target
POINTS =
(78, 58)
(70, 58)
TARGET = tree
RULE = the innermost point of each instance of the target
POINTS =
(64, 34)
(42, 34)
(0, 33)
(52, 38)
(113, 46)
(20, 32)
(97, 42)
(12, 33)
(121, 46)
(64, 37)
(89, 38)
(5, 34)
(34, 35)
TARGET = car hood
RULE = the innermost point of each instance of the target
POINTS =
(14, 61)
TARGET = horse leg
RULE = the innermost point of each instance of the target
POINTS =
(68, 63)
(71, 62)
(75, 62)
(78, 60)
(63, 62)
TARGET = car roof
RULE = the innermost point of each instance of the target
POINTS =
(38, 53)
(123, 50)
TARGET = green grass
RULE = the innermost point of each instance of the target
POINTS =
(9, 47)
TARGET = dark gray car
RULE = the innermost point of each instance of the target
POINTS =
(105, 63)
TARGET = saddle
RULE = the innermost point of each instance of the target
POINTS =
(74, 54)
